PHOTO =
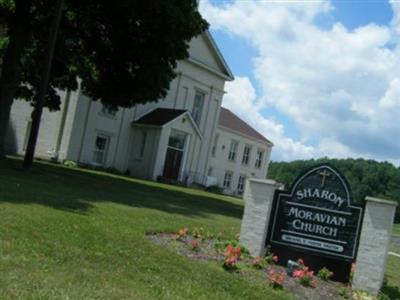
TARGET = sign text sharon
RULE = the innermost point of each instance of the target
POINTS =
(317, 215)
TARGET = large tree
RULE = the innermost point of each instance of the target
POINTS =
(124, 52)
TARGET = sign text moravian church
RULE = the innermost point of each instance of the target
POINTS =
(317, 215)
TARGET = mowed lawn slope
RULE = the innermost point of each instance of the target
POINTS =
(396, 229)
(78, 234)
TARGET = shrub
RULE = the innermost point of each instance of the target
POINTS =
(112, 170)
(232, 256)
(344, 292)
(70, 164)
(276, 279)
(198, 232)
(304, 275)
(361, 295)
(180, 234)
(214, 189)
(325, 274)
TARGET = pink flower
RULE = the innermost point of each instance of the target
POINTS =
(275, 258)
(298, 273)
(257, 260)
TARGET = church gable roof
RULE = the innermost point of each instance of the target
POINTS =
(229, 120)
(204, 51)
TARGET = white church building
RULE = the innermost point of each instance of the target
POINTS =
(186, 137)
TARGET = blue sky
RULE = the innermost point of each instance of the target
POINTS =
(308, 103)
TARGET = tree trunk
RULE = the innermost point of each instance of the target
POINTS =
(42, 91)
(18, 32)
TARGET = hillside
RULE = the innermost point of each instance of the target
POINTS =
(366, 177)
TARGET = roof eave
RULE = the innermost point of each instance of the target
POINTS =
(208, 68)
(265, 141)
(219, 54)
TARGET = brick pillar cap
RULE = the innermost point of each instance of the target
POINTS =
(381, 201)
(266, 181)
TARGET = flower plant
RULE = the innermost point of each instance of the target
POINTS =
(270, 258)
(352, 270)
(195, 245)
(232, 256)
(258, 262)
(276, 278)
(304, 274)
(181, 234)
(325, 274)
(198, 232)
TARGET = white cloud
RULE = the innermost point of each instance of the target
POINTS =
(241, 99)
(340, 86)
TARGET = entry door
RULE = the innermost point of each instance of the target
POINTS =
(175, 150)
(172, 165)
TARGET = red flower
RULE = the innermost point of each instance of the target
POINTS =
(229, 250)
(194, 244)
(238, 251)
(232, 255)
(298, 273)
(353, 267)
(276, 278)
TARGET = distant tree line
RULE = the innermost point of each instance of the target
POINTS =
(366, 177)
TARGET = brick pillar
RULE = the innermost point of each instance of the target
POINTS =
(258, 198)
(374, 243)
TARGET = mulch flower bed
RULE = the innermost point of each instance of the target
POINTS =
(231, 256)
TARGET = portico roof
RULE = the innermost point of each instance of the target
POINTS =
(161, 117)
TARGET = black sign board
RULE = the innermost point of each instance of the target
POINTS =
(317, 216)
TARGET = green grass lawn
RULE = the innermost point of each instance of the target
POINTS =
(79, 234)
(396, 229)
(391, 287)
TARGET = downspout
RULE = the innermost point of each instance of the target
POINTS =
(119, 136)
(84, 129)
(177, 88)
(62, 125)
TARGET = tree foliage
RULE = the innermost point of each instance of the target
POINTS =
(124, 52)
(366, 177)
